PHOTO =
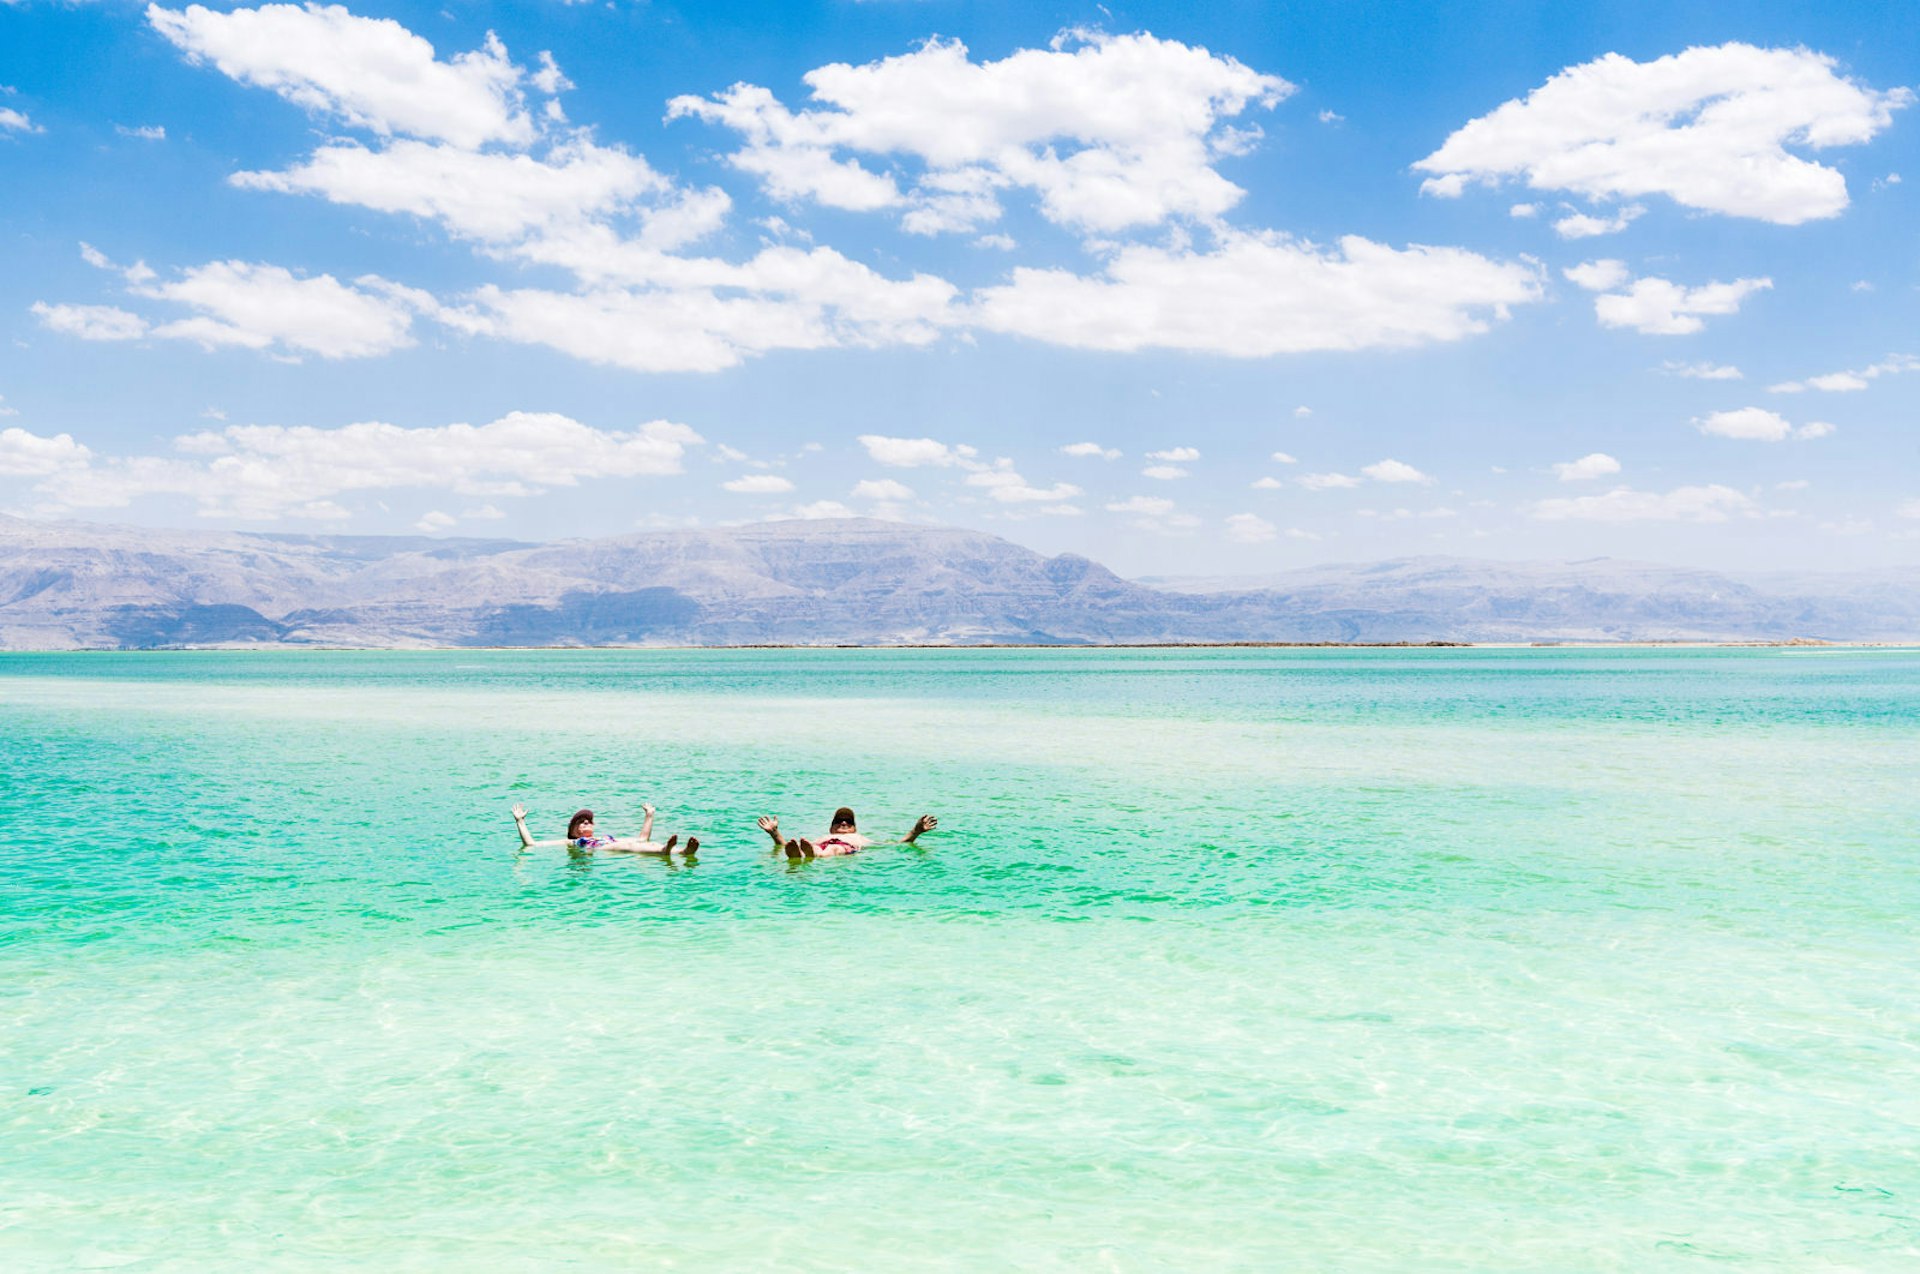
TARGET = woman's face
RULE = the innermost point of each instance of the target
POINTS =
(583, 829)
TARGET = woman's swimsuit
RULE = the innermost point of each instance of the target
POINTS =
(594, 842)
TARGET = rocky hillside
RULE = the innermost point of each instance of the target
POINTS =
(76, 585)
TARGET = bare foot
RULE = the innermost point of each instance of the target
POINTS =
(671, 842)
(806, 847)
(693, 847)
(793, 849)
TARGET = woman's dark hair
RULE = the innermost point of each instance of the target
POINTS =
(573, 824)
(842, 817)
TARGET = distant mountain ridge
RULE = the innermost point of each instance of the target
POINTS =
(73, 585)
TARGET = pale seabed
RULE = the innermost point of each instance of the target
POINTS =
(1241, 959)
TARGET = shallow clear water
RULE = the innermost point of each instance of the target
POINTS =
(1434, 959)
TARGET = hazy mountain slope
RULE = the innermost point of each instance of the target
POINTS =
(76, 585)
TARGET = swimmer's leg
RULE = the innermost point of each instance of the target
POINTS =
(693, 847)
(671, 842)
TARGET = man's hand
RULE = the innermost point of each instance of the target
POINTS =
(769, 824)
(926, 824)
(648, 809)
(519, 813)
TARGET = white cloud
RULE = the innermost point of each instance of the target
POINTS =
(916, 453)
(1109, 131)
(491, 196)
(24, 454)
(1281, 457)
(1659, 307)
(1603, 275)
(1268, 483)
(758, 484)
(1522, 211)
(1090, 449)
(885, 489)
(1394, 471)
(265, 307)
(1008, 487)
(435, 521)
(1259, 295)
(822, 509)
(1850, 381)
(1176, 455)
(16, 122)
(371, 73)
(1328, 481)
(1247, 528)
(1753, 424)
(485, 513)
(91, 322)
(1707, 127)
(1702, 371)
(1586, 468)
(1814, 429)
(1164, 472)
(1149, 505)
(1711, 503)
(1582, 225)
(265, 472)
(143, 132)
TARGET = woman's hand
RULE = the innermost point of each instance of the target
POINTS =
(926, 824)
(519, 813)
(646, 809)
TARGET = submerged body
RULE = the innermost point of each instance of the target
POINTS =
(581, 834)
(843, 836)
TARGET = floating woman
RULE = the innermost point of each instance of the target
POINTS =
(581, 835)
(843, 836)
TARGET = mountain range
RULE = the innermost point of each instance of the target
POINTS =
(73, 585)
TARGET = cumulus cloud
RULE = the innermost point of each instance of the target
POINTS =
(1248, 528)
(1002, 483)
(821, 510)
(1702, 371)
(1281, 457)
(1581, 225)
(1394, 471)
(1175, 455)
(1662, 308)
(24, 454)
(884, 489)
(1710, 503)
(265, 472)
(13, 121)
(1109, 131)
(1257, 295)
(1708, 127)
(1603, 275)
(266, 307)
(371, 73)
(1328, 481)
(1757, 424)
(435, 521)
(91, 322)
(1090, 449)
(1596, 465)
(758, 484)
(1268, 483)
(1845, 382)
(916, 453)
(490, 196)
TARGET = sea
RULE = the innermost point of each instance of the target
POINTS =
(1219, 959)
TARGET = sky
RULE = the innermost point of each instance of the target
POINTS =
(1193, 289)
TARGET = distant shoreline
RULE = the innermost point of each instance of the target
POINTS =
(1790, 643)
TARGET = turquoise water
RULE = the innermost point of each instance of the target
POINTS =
(1430, 959)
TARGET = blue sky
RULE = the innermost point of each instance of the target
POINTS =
(1195, 289)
